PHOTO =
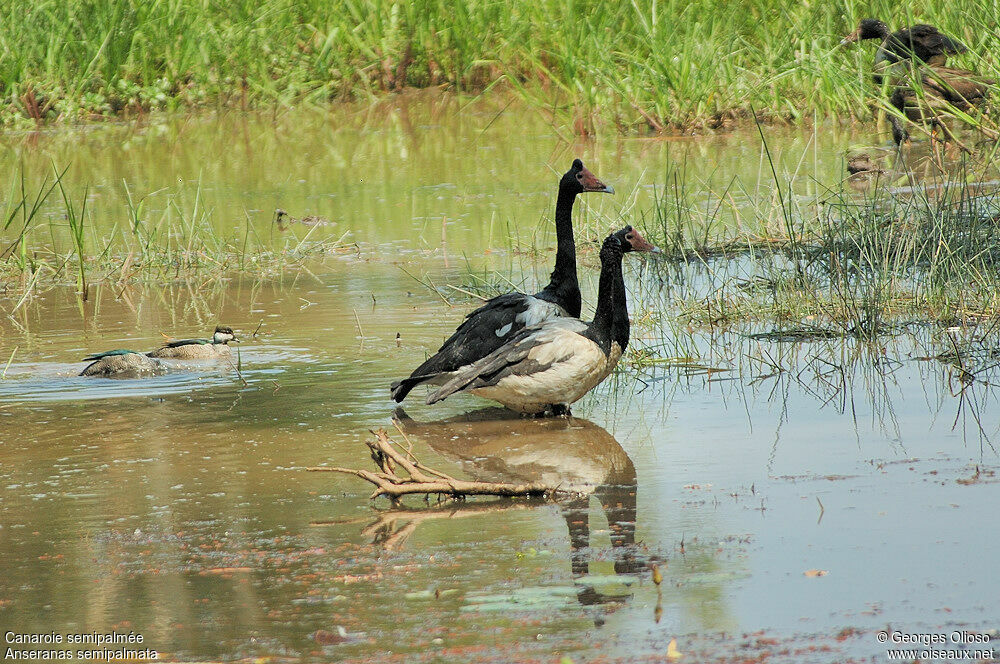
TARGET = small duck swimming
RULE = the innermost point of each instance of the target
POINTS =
(199, 349)
(121, 363)
(283, 220)
(863, 163)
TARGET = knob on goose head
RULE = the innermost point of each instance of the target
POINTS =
(632, 240)
(579, 180)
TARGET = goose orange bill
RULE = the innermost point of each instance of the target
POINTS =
(591, 183)
(851, 38)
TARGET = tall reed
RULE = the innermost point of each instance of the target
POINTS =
(76, 221)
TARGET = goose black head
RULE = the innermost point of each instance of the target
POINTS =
(579, 180)
(223, 335)
(630, 239)
(868, 28)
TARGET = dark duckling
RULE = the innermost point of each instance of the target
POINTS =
(283, 220)
(863, 163)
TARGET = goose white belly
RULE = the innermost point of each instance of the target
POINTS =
(576, 366)
(613, 358)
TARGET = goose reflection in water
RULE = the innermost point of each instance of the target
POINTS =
(495, 445)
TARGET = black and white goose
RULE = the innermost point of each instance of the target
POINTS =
(551, 365)
(499, 319)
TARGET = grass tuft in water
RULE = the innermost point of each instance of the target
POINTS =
(76, 222)
(175, 238)
(838, 262)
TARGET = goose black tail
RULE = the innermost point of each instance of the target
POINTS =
(436, 364)
(402, 387)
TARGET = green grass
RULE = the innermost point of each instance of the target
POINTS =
(77, 231)
(639, 65)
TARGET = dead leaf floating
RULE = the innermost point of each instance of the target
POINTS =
(335, 638)
(815, 572)
(328, 638)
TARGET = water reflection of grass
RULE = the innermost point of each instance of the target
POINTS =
(957, 370)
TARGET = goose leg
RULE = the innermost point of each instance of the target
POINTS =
(951, 139)
(936, 150)
(899, 133)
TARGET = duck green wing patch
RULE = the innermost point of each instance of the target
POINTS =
(109, 353)
(187, 342)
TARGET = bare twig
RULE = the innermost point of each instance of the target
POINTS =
(419, 479)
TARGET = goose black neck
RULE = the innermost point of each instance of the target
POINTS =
(563, 288)
(620, 326)
(611, 319)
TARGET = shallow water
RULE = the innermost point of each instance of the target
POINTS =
(178, 506)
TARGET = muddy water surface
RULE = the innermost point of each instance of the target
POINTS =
(178, 507)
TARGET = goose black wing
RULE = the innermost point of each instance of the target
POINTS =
(928, 41)
(513, 358)
(923, 42)
(483, 331)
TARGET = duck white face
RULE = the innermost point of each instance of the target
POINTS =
(223, 335)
